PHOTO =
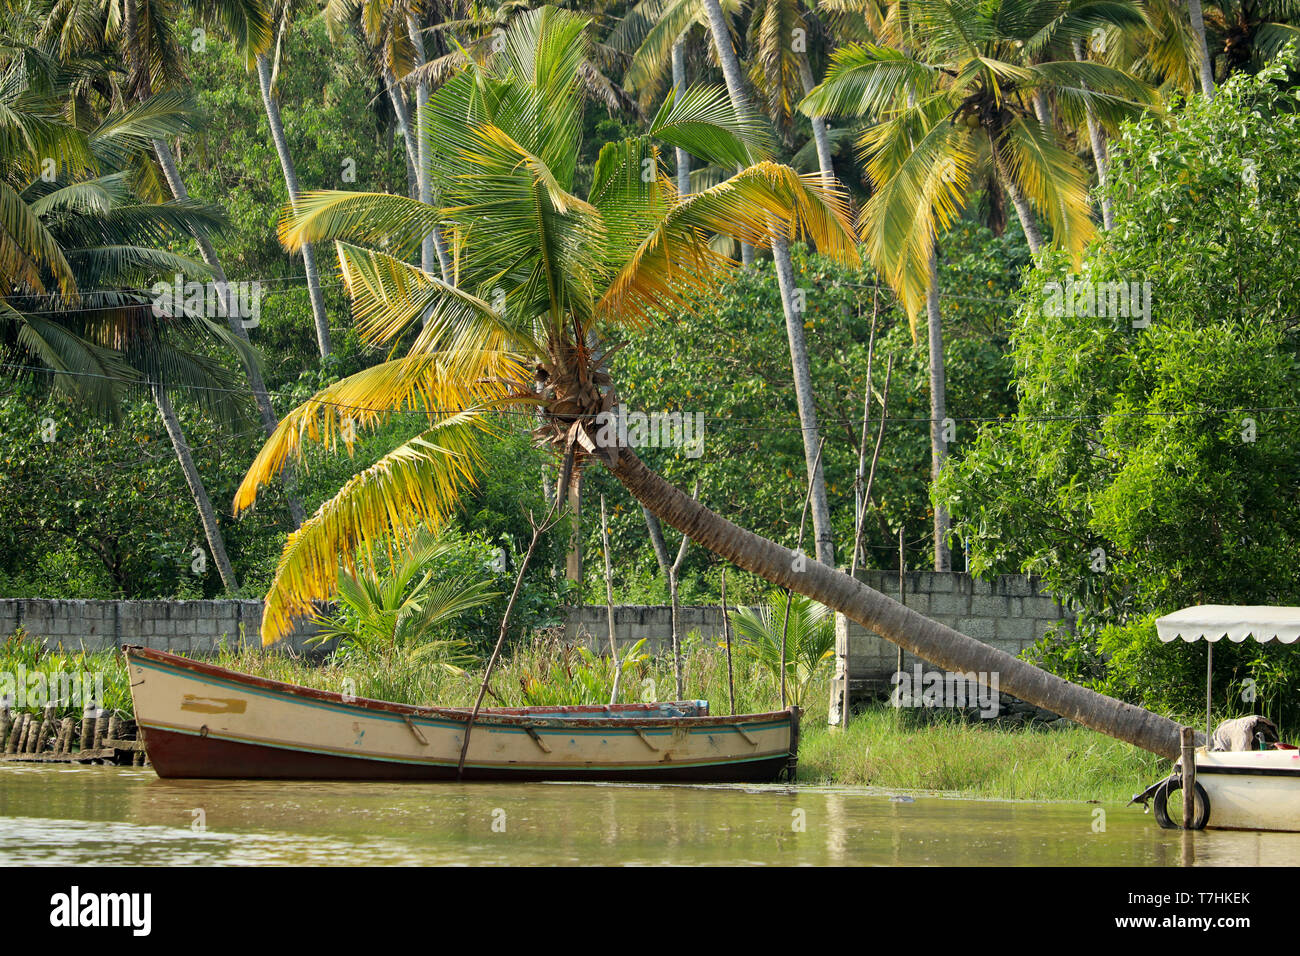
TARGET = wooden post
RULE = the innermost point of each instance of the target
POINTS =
(47, 726)
(609, 599)
(101, 729)
(726, 633)
(6, 722)
(16, 734)
(33, 736)
(87, 728)
(1189, 777)
(65, 735)
(902, 589)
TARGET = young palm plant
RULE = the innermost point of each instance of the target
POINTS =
(546, 278)
(809, 640)
(400, 612)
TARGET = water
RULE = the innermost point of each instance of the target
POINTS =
(54, 814)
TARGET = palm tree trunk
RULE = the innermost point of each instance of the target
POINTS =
(413, 159)
(679, 86)
(1100, 154)
(207, 515)
(821, 136)
(803, 391)
(254, 375)
(272, 104)
(1202, 47)
(825, 542)
(1025, 212)
(940, 645)
(938, 413)
(427, 250)
(1042, 108)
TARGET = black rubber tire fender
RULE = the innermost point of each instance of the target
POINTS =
(1160, 803)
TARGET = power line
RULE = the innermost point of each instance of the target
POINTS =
(764, 424)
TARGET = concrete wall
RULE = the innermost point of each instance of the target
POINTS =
(633, 622)
(1009, 612)
(187, 627)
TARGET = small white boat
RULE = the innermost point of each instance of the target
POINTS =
(1257, 789)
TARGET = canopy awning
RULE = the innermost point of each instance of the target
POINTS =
(1215, 621)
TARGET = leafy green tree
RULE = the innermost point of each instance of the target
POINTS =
(1151, 466)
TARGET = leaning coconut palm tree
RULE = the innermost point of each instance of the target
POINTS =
(547, 279)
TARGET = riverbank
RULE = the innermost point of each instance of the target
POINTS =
(909, 749)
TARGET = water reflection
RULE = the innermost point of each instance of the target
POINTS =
(109, 816)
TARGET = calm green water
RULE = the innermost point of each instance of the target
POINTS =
(99, 815)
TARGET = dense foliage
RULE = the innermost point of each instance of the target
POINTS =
(1151, 467)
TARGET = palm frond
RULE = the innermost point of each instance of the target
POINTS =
(417, 484)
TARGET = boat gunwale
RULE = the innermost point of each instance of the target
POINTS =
(485, 716)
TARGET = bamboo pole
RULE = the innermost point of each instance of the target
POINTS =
(726, 633)
(860, 477)
(861, 518)
(609, 600)
(1189, 777)
(538, 531)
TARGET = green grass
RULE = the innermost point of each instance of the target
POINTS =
(882, 747)
(903, 750)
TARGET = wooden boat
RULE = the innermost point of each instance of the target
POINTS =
(200, 720)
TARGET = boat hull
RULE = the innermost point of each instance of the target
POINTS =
(202, 721)
(1251, 790)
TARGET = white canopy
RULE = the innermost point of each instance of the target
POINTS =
(1215, 621)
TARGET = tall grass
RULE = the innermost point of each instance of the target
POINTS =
(21, 659)
(909, 750)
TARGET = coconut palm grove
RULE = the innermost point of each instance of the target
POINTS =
(715, 370)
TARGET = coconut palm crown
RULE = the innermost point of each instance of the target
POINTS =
(961, 96)
(542, 277)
